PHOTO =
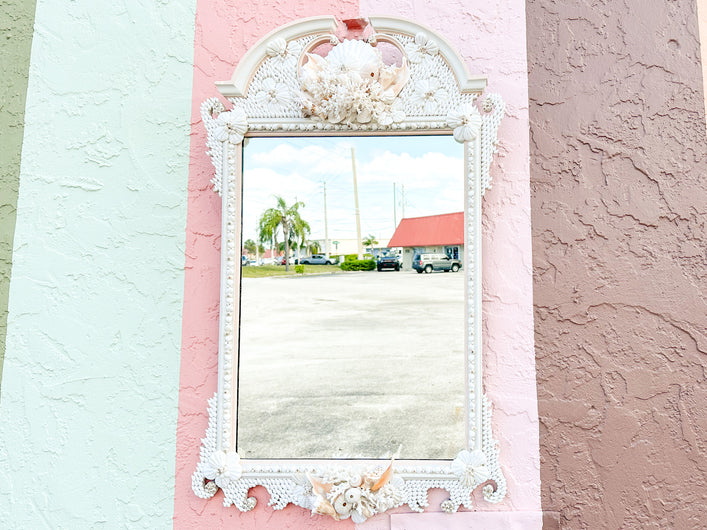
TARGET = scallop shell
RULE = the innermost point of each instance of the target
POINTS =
(277, 46)
(355, 56)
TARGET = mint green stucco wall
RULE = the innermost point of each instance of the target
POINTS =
(89, 393)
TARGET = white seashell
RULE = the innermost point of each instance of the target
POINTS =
(322, 507)
(358, 517)
(470, 468)
(356, 481)
(277, 46)
(354, 56)
(223, 468)
(430, 95)
(426, 44)
(353, 495)
(394, 79)
(311, 70)
(231, 125)
(422, 47)
(466, 122)
(342, 505)
(364, 116)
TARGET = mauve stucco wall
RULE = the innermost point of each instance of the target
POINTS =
(491, 38)
(619, 201)
(702, 24)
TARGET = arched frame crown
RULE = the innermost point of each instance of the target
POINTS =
(288, 84)
(237, 86)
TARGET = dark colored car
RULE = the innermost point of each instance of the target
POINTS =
(388, 261)
(435, 262)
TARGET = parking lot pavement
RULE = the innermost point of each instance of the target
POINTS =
(352, 365)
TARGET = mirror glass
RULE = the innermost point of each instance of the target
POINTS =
(354, 348)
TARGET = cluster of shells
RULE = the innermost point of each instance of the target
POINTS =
(355, 496)
(352, 85)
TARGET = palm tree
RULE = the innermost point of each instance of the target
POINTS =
(249, 246)
(370, 241)
(299, 231)
(312, 247)
(286, 219)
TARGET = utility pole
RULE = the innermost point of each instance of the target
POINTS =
(403, 217)
(326, 226)
(358, 212)
(395, 210)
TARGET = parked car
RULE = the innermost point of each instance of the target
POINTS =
(388, 261)
(245, 261)
(435, 262)
(316, 259)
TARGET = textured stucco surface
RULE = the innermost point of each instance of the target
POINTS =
(702, 24)
(619, 197)
(89, 395)
(491, 38)
(224, 30)
(16, 20)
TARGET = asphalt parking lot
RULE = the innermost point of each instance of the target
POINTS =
(352, 365)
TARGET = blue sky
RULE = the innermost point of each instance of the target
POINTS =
(429, 167)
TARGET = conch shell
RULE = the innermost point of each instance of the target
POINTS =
(394, 79)
(384, 478)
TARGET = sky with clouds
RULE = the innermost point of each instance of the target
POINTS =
(430, 168)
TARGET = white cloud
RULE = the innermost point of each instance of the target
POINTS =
(432, 181)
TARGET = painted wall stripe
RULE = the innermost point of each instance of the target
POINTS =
(218, 45)
(16, 21)
(493, 43)
(89, 394)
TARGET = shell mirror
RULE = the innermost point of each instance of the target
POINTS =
(351, 172)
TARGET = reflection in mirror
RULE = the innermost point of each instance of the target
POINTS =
(352, 301)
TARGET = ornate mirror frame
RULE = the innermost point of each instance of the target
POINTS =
(277, 89)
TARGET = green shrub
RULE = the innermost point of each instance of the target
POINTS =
(358, 265)
(299, 269)
(350, 257)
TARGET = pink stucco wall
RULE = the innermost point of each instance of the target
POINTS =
(491, 37)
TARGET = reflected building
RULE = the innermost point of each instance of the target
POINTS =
(435, 234)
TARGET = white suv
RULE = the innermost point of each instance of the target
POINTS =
(435, 262)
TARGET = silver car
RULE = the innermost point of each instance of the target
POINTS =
(316, 259)
(435, 262)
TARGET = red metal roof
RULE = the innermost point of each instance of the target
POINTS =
(445, 229)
